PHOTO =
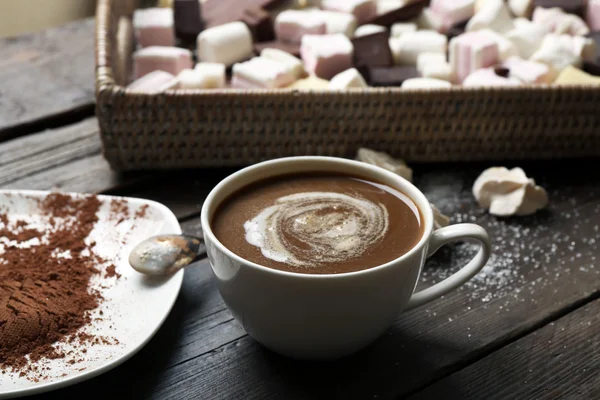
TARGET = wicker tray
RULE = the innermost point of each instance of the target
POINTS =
(235, 127)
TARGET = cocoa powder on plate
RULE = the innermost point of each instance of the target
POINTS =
(44, 296)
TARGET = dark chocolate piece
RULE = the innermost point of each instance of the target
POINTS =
(569, 6)
(456, 30)
(260, 24)
(391, 76)
(373, 50)
(502, 71)
(403, 13)
(293, 49)
(592, 68)
(187, 18)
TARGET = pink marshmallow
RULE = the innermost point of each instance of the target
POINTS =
(363, 10)
(156, 81)
(154, 27)
(559, 22)
(528, 71)
(453, 12)
(593, 15)
(487, 77)
(157, 58)
(291, 25)
(326, 55)
(472, 51)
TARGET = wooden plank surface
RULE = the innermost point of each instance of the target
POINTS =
(559, 361)
(47, 78)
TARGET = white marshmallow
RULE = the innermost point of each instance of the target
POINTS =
(506, 48)
(559, 22)
(363, 10)
(425, 59)
(558, 52)
(434, 65)
(225, 44)
(528, 71)
(428, 20)
(350, 78)
(291, 25)
(338, 22)
(406, 48)
(400, 28)
(493, 15)
(385, 6)
(453, 12)
(259, 73)
(526, 36)
(521, 8)
(203, 76)
(425, 83)
(293, 64)
(369, 29)
(487, 77)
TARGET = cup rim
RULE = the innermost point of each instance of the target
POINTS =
(417, 196)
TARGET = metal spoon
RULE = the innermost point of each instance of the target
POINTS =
(165, 254)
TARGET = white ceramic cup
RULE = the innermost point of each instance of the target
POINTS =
(329, 316)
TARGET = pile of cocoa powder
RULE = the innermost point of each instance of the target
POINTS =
(45, 296)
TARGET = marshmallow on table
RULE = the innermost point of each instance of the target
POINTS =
(400, 28)
(559, 22)
(363, 10)
(493, 15)
(154, 27)
(453, 12)
(293, 64)
(528, 71)
(369, 29)
(593, 15)
(203, 76)
(472, 51)
(487, 77)
(434, 65)
(156, 81)
(326, 55)
(575, 76)
(291, 25)
(425, 83)
(261, 73)
(350, 78)
(225, 44)
(337, 22)
(428, 20)
(521, 8)
(558, 52)
(526, 36)
(407, 47)
(159, 58)
(310, 83)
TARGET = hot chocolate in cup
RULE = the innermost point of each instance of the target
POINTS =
(295, 303)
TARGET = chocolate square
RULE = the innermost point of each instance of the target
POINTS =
(293, 49)
(569, 6)
(400, 14)
(592, 68)
(373, 50)
(260, 24)
(187, 18)
(390, 76)
(456, 30)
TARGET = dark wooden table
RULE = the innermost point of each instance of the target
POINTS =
(528, 327)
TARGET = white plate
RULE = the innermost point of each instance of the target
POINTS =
(134, 306)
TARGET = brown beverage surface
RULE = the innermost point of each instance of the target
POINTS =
(318, 224)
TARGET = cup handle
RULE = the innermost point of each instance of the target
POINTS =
(443, 236)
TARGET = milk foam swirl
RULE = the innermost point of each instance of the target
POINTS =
(306, 229)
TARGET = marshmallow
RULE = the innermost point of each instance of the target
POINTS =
(528, 71)
(593, 15)
(261, 73)
(350, 78)
(154, 27)
(400, 28)
(326, 55)
(158, 58)
(506, 48)
(472, 51)
(363, 10)
(407, 47)
(425, 83)
(386, 6)
(385, 161)
(559, 22)
(337, 22)
(156, 81)
(493, 15)
(310, 83)
(526, 36)
(429, 20)
(369, 29)
(521, 8)
(558, 52)
(453, 12)
(575, 76)
(293, 64)
(225, 44)
(487, 77)
(291, 25)
(203, 76)
(439, 220)
(434, 65)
